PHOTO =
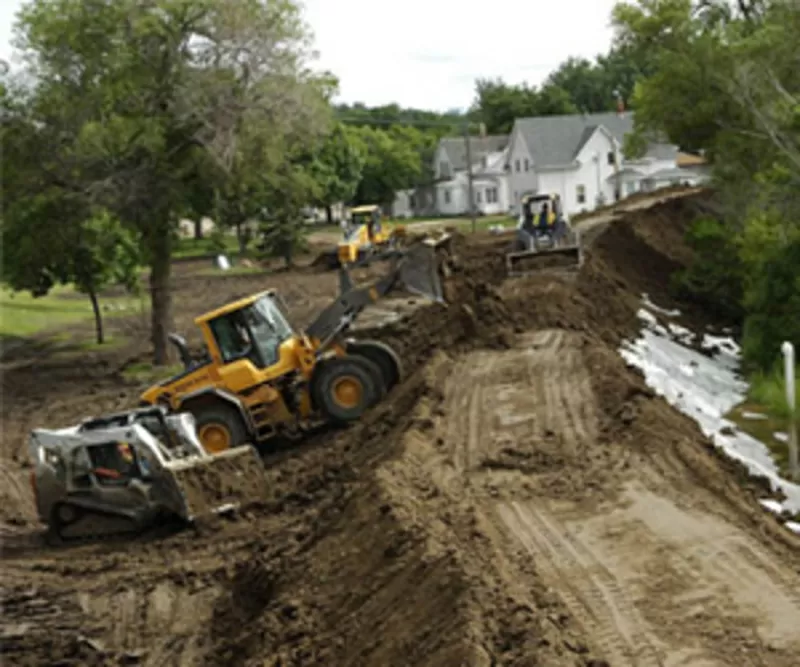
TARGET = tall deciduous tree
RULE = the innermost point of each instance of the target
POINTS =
(337, 167)
(142, 91)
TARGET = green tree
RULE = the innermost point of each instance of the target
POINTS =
(337, 168)
(139, 92)
(47, 242)
(498, 104)
(393, 162)
(723, 79)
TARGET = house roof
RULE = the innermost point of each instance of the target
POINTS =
(456, 149)
(557, 140)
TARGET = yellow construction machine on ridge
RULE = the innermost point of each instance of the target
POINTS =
(188, 450)
(542, 233)
(262, 378)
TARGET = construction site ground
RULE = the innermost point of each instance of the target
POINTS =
(522, 498)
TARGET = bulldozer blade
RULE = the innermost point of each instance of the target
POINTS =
(529, 261)
(566, 253)
(217, 483)
(420, 273)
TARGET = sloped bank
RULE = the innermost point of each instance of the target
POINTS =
(381, 545)
(405, 568)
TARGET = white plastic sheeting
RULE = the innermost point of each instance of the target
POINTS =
(705, 389)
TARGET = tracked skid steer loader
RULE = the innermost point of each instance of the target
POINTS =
(544, 238)
(124, 472)
(260, 378)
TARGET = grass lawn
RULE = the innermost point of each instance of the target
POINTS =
(22, 315)
(767, 396)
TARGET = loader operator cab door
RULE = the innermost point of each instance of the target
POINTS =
(254, 332)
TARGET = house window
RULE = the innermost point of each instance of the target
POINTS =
(478, 197)
(447, 196)
(491, 195)
(444, 169)
(412, 201)
(581, 194)
(527, 165)
(612, 160)
(630, 187)
(516, 166)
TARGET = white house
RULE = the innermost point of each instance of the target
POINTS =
(579, 157)
(489, 178)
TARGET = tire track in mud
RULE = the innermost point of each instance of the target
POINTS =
(588, 589)
(654, 582)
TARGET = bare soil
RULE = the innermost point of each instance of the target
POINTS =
(522, 498)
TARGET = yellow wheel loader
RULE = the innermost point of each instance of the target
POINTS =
(543, 231)
(120, 473)
(365, 239)
(262, 378)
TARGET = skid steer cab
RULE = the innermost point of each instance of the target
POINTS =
(543, 231)
(261, 378)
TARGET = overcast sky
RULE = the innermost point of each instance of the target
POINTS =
(428, 53)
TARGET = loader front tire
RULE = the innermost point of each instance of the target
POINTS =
(345, 387)
(219, 426)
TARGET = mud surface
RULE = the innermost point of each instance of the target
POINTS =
(520, 499)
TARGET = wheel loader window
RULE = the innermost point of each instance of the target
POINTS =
(232, 336)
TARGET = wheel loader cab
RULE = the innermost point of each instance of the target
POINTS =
(365, 232)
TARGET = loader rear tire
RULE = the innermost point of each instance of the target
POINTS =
(380, 354)
(344, 388)
(219, 426)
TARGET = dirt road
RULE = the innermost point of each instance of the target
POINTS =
(652, 573)
(520, 499)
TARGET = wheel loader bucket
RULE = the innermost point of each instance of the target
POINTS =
(420, 271)
(207, 485)
(565, 253)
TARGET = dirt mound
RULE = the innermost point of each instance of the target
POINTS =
(520, 499)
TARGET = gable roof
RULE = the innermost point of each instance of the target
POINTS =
(557, 140)
(456, 150)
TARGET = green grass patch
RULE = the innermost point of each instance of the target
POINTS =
(767, 397)
(22, 315)
(146, 372)
(769, 390)
(202, 247)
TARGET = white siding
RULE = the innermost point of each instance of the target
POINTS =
(520, 182)
(491, 196)
(439, 158)
(597, 170)
(451, 198)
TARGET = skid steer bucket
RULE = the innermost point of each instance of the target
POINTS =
(547, 253)
(211, 484)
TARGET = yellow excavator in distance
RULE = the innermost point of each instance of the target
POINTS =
(364, 239)
(262, 378)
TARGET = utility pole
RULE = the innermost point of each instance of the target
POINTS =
(470, 192)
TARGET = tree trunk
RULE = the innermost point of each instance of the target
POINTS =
(198, 228)
(98, 317)
(243, 237)
(161, 296)
(329, 214)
